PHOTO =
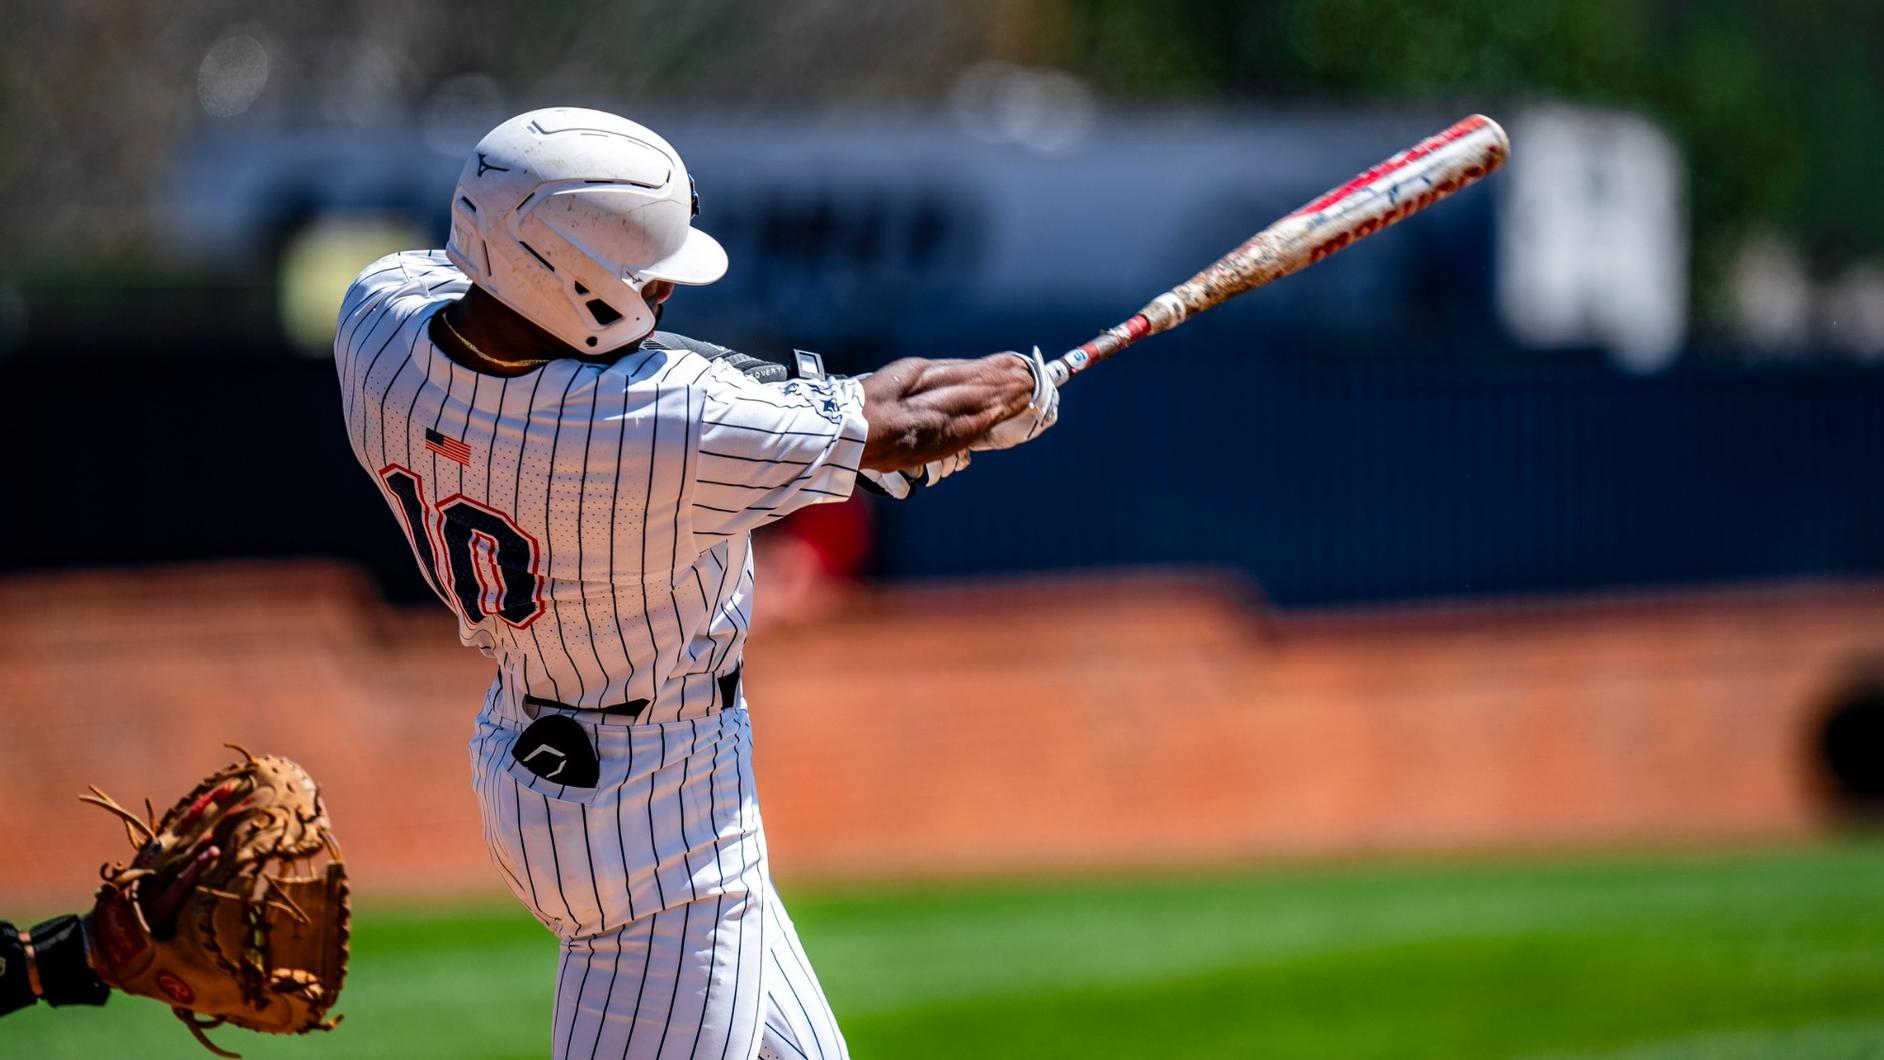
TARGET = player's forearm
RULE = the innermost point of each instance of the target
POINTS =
(922, 410)
(47, 963)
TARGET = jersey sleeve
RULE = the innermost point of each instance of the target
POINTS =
(768, 449)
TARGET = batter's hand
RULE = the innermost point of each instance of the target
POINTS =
(1042, 411)
(899, 485)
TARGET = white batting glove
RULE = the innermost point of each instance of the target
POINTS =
(900, 484)
(1042, 411)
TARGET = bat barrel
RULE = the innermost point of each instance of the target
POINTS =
(1395, 189)
(1401, 186)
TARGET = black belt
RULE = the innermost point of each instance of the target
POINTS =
(729, 694)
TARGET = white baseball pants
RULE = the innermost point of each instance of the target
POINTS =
(674, 946)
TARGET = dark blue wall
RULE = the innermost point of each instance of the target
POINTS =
(1353, 482)
(1329, 477)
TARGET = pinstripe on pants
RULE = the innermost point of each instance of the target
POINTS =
(674, 944)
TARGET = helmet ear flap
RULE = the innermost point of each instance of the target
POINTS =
(604, 318)
(598, 310)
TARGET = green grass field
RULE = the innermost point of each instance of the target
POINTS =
(1757, 954)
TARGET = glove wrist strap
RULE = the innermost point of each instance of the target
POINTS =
(32, 965)
(57, 967)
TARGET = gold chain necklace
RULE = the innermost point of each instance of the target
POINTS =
(445, 317)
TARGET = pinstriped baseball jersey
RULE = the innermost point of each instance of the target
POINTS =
(587, 522)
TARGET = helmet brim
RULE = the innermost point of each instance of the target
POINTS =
(700, 260)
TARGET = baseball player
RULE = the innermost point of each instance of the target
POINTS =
(579, 488)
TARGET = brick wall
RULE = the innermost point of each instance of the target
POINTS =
(1035, 725)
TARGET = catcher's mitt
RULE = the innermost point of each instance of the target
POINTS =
(260, 931)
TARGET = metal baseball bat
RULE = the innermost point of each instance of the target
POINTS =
(1399, 187)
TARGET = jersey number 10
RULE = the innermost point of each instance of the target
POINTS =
(490, 565)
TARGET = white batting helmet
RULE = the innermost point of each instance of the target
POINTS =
(565, 214)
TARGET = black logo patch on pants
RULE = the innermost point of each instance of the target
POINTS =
(557, 749)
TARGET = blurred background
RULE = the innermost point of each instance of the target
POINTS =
(1472, 646)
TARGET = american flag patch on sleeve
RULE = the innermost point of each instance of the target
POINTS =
(450, 448)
